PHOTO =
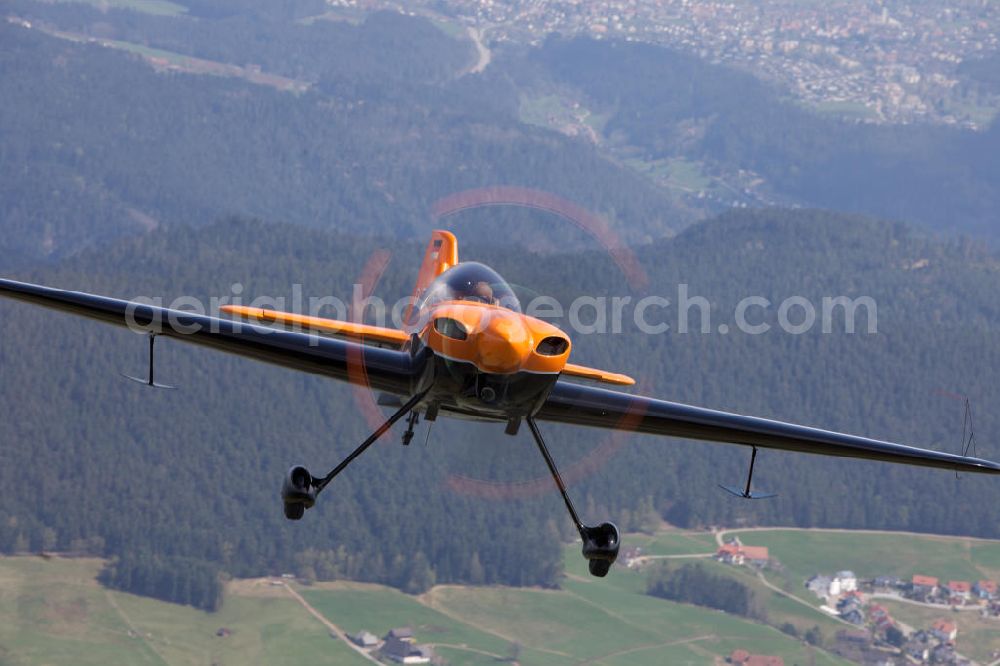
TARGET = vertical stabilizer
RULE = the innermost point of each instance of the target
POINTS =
(441, 254)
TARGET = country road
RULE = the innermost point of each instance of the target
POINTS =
(692, 556)
(485, 57)
(329, 625)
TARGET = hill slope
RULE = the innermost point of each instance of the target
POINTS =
(51, 608)
(194, 473)
(100, 144)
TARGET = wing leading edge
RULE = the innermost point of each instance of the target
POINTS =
(577, 404)
(382, 369)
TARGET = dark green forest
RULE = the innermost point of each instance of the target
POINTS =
(695, 584)
(179, 580)
(105, 467)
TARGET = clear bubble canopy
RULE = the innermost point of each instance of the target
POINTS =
(471, 281)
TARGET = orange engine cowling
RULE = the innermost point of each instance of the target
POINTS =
(494, 339)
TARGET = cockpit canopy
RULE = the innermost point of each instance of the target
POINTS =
(470, 281)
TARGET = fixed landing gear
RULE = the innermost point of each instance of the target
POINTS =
(411, 420)
(600, 542)
(300, 488)
(297, 493)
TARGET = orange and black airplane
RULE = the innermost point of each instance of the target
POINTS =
(468, 351)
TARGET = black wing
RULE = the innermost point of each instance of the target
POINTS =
(592, 406)
(382, 369)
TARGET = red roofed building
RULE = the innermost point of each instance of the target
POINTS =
(946, 630)
(924, 585)
(986, 589)
(737, 553)
(744, 658)
(959, 590)
(756, 554)
(876, 610)
(880, 618)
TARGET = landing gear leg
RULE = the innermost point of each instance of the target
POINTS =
(301, 488)
(411, 420)
(600, 542)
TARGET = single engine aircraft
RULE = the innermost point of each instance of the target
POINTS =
(468, 351)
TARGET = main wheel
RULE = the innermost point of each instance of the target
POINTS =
(599, 568)
(600, 547)
(601, 542)
(294, 510)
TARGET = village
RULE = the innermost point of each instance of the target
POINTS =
(879, 638)
(874, 61)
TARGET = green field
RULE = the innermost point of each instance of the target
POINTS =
(869, 554)
(544, 110)
(155, 7)
(610, 621)
(674, 543)
(52, 611)
(675, 173)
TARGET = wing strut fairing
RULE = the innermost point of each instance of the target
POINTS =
(747, 493)
(150, 379)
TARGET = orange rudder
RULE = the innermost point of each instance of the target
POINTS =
(441, 254)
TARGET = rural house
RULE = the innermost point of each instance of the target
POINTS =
(364, 639)
(959, 591)
(400, 648)
(736, 553)
(985, 589)
(924, 586)
(944, 630)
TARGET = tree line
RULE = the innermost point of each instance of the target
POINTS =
(695, 584)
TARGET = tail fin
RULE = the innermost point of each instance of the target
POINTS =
(441, 254)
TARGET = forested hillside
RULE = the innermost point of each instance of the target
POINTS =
(97, 144)
(661, 104)
(101, 143)
(96, 464)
